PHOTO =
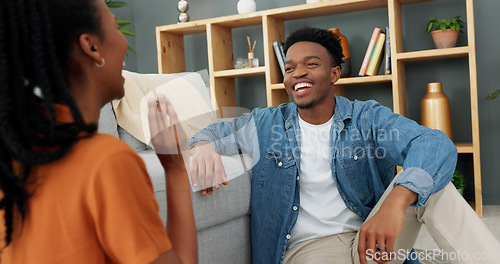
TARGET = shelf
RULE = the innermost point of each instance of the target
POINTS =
(277, 86)
(350, 81)
(365, 80)
(464, 147)
(243, 20)
(187, 28)
(434, 54)
(286, 13)
(472, 204)
(328, 8)
(234, 73)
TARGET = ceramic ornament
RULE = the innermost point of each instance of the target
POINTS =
(246, 6)
(183, 7)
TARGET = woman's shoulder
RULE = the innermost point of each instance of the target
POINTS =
(104, 143)
(101, 148)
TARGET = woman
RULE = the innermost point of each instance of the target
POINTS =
(68, 194)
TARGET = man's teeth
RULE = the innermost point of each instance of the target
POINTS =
(302, 85)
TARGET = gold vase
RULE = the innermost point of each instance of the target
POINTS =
(435, 109)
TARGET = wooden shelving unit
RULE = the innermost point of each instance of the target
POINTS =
(171, 58)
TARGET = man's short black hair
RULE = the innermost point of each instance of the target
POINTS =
(321, 36)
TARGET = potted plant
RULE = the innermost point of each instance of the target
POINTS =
(122, 22)
(445, 31)
(459, 181)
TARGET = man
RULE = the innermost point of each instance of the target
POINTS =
(323, 186)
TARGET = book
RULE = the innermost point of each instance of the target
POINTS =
(376, 57)
(387, 52)
(280, 55)
(371, 45)
(282, 51)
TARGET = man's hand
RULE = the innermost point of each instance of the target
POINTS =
(378, 235)
(205, 164)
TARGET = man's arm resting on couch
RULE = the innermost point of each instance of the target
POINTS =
(205, 165)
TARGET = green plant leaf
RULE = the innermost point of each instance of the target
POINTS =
(429, 27)
(458, 180)
(493, 95)
(116, 4)
(453, 23)
(128, 32)
(131, 49)
(122, 22)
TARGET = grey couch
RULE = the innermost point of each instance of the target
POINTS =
(222, 219)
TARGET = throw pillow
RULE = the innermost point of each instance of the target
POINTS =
(186, 91)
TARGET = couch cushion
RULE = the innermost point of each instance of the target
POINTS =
(187, 92)
(107, 122)
(131, 140)
(226, 243)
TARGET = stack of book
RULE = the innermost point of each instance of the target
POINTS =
(280, 55)
(378, 46)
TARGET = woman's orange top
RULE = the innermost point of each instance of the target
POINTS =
(95, 205)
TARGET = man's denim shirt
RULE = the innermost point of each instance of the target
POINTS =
(367, 141)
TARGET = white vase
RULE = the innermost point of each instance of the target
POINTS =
(246, 6)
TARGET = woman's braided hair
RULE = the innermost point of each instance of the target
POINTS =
(36, 41)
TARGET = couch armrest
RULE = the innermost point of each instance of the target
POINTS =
(230, 202)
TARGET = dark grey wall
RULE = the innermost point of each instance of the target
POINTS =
(357, 27)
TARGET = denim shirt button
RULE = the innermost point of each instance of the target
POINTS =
(280, 164)
(298, 178)
(288, 236)
(355, 157)
(295, 208)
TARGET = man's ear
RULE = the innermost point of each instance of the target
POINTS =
(89, 45)
(335, 74)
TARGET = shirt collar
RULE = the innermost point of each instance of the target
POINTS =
(64, 115)
(343, 111)
(343, 108)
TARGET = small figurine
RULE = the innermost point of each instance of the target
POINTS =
(183, 7)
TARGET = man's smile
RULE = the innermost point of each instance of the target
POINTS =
(302, 85)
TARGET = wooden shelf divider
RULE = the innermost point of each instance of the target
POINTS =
(433, 54)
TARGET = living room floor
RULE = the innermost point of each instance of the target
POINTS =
(491, 217)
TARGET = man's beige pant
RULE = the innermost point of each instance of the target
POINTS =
(454, 226)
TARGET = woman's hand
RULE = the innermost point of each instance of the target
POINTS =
(167, 136)
(170, 143)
